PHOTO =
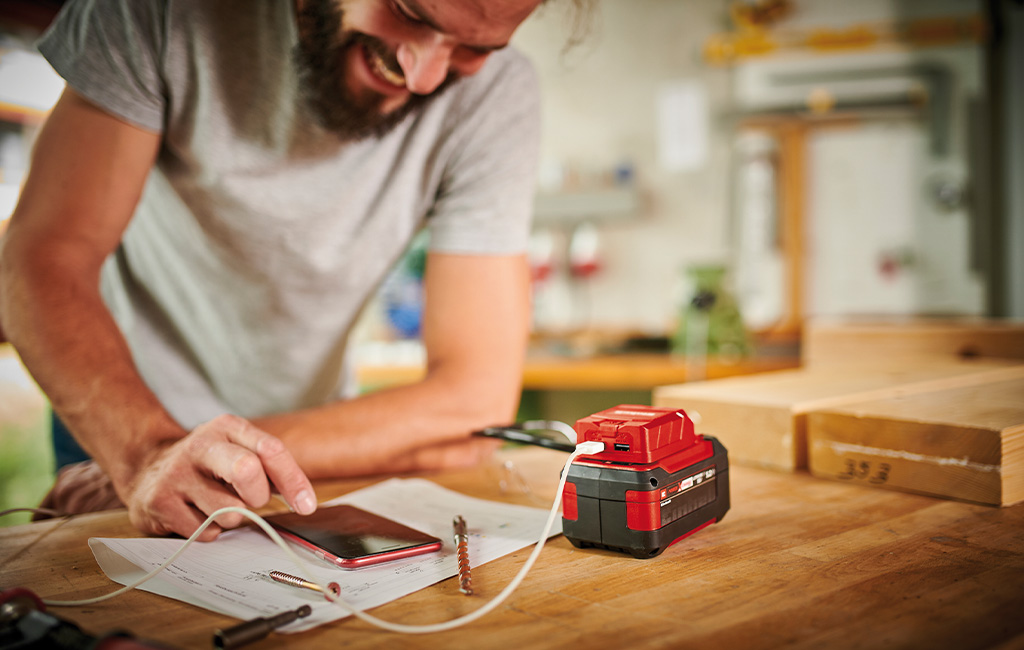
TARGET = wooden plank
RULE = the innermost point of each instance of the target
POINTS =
(901, 340)
(964, 442)
(792, 189)
(761, 419)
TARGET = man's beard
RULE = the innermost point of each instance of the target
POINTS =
(319, 57)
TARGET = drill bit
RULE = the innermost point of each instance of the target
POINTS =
(462, 553)
(295, 581)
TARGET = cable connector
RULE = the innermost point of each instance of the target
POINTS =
(590, 447)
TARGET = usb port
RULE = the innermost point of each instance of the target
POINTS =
(621, 447)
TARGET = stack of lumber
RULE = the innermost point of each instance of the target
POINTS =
(964, 440)
(929, 407)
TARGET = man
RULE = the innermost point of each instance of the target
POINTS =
(214, 199)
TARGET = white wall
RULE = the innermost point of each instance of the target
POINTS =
(600, 111)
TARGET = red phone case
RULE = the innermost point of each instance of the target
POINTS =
(350, 525)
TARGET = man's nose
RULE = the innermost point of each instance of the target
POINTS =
(425, 63)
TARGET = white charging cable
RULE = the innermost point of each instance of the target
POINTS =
(583, 448)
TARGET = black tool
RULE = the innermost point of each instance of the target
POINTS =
(257, 628)
(26, 625)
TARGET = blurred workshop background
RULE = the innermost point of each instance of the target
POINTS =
(714, 173)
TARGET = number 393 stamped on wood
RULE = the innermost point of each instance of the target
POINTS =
(873, 472)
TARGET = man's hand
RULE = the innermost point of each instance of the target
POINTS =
(225, 462)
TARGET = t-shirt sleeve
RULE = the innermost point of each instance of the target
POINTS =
(485, 200)
(109, 51)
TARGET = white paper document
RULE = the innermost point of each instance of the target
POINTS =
(231, 575)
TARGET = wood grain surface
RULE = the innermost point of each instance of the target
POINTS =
(762, 418)
(797, 563)
(964, 442)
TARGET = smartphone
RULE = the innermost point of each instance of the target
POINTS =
(543, 433)
(352, 538)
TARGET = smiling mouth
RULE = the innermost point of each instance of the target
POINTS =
(381, 68)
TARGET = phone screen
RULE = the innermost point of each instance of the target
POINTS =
(351, 538)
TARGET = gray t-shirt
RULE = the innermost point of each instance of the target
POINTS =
(259, 237)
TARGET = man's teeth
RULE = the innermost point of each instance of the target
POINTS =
(384, 71)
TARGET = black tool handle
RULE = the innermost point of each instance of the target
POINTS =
(256, 629)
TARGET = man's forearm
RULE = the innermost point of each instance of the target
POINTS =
(87, 173)
(53, 315)
(397, 429)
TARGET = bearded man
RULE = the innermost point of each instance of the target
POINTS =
(212, 202)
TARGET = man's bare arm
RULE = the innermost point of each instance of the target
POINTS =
(87, 175)
(476, 325)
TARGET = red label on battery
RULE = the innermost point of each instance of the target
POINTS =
(570, 509)
(652, 509)
(642, 516)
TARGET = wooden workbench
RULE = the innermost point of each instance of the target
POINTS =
(797, 563)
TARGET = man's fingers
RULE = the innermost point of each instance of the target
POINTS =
(225, 462)
(216, 497)
(279, 465)
(177, 517)
(239, 467)
(195, 519)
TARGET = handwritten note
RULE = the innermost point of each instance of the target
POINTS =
(230, 575)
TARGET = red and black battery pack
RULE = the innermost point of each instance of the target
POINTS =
(656, 482)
